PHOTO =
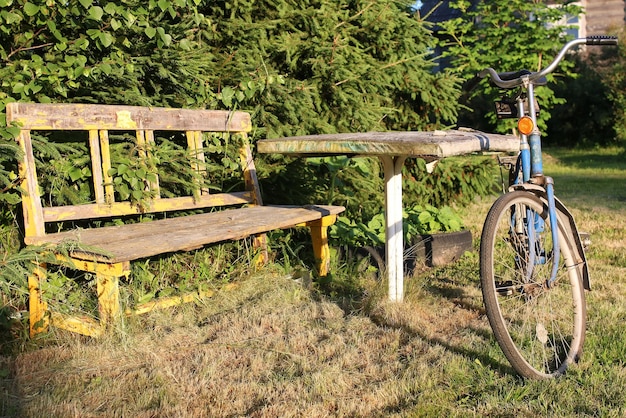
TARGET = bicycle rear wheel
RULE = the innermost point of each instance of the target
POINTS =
(540, 327)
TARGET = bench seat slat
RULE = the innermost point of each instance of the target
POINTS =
(141, 240)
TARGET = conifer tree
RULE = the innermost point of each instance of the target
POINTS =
(319, 66)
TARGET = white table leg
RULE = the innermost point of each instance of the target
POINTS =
(394, 247)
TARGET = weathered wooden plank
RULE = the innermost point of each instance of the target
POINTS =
(31, 201)
(427, 145)
(109, 192)
(93, 211)
(62, 116)
(140, 240)
(195, 147)
(249, 172)
(96, 165)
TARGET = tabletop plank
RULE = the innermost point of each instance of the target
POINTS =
(429, 145)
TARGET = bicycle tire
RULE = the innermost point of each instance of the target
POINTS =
(540, 328)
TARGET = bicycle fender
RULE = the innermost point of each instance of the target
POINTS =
(569, 226)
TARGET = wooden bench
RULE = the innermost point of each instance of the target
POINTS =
(181, 222)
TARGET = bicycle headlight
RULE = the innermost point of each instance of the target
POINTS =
(525, 125)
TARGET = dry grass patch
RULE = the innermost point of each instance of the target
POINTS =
(272, 348)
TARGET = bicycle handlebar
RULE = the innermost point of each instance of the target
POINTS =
(601, 40)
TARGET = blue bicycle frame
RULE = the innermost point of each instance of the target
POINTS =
(532, 171)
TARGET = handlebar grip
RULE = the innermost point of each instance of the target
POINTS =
(601, 40)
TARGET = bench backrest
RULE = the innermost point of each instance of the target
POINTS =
(96, 126)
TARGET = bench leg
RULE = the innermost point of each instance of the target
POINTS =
(37, 308)
(107, 287)
(259, 242)
(319, 235)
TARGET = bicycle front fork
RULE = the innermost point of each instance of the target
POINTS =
(532, 172)
(556, 249)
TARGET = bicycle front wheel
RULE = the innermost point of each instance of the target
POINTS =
(539, 324)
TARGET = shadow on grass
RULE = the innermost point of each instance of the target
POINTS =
(470, 354)
(353, 300)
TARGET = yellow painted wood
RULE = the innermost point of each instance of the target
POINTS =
(97, 267)
(153, 185)
(37, 308)
(259, 242)
(321, 250)
(167, 302)
(140, 136)
(194, 144)
(249, 170)
(105, 151)
(83, 325)
(108, 298)
(145, 139)
(92, 211)
(96, 165)
(31, 201)
(108, 251)
(199, 148)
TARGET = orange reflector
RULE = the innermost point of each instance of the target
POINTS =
(525, 125)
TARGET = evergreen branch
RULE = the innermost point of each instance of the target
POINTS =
(399, 62)
(356, 15)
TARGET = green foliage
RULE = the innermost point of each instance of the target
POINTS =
(325, 66)
(614, 77)
(123, 52)
(507, 35)
(357, 184)
(417, 221)
(587, 118)
(453, 180)
(9, 151)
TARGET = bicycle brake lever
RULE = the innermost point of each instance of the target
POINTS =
(601, 40)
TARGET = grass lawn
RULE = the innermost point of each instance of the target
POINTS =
(274, 345)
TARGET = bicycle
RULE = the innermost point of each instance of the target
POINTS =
(533, 269)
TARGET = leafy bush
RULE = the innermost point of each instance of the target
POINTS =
(357, 184)
(614, 77)
(417, 221)
(457, 180)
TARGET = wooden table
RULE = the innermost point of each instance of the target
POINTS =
(393, 148)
